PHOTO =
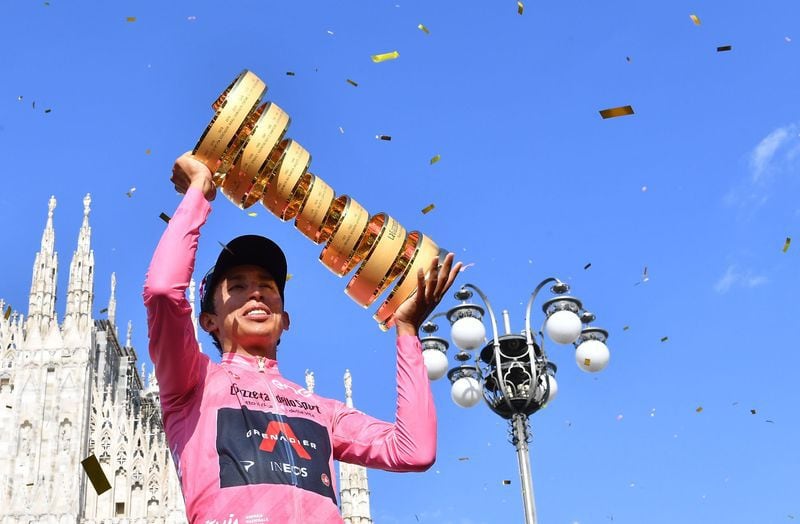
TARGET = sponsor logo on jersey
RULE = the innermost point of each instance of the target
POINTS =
(256, 447)
(301, 404)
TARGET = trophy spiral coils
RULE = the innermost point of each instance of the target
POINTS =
(252, 160)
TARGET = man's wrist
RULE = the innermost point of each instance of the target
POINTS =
(405, 328)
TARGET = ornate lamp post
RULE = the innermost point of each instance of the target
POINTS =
(512, 372)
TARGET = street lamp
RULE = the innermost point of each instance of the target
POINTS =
(511, 372)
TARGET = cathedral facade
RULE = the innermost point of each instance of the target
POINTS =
(70, 390)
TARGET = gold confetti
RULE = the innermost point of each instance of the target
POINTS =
(130, 192)
(225, 247)
(383, 137)
(506, 482)
(352, 83)
(383, 57)
(664, 339)
(7, 314)
(427, 209)
(96, 475)
(435, 159)
(616, 111)
(252, 214)
(520, 7)
(695, 19)
(722, 48)
(289, 277)
(147, 151)
(787, 244)
(587, 266)
(423, 29)
(164, 217)
(699, 409)
(587, 362)
(130, 19)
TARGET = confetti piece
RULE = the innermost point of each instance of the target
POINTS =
(587, 362)
(289, 73)
(616, 111)
(288, 275)
(752, 411)
(787, 244)
(47, 110)
(383, 57)
(423, 29)
(7, 314)
(383, 137)
(644, 189)
(252, 214)
(19, 98)
(465, 267)
(770, 421)
(96, 474)
(33, 105)
(225, 247)
(506, 482)
(625, 328)
(695, 19)
(620, 416)
(341, 129)
(463, 458)
(699, 409)
(435, 159)
(427, 209)
(787, 38)
(352, 83)
(9, 407)
(164, 217)
(520, 7)
(628, 59)
(191, 18)
(330, 32)
(146, 151)
(104, 310)
(130, 19)
(722, 48)
(130, 192)
(587, 266)
(664, 339)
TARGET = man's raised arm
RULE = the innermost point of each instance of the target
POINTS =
(173, 346)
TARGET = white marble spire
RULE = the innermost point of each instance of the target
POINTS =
(310, 381)
(192, 295)
(353, 488)
(80, 293)
(42, 302)
(112, 300)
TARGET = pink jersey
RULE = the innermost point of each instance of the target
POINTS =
(249, 445)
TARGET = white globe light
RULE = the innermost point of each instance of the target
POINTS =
(466, 392)
(563, 327)
(592, 356)
(553, 387)
(468, 333)
(435, 363)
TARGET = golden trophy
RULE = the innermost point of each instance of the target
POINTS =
(252, 160)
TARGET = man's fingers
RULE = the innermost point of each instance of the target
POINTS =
(444, 274)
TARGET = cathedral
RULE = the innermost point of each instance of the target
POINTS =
(70, 390)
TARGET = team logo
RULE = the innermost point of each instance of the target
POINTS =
(282, 431)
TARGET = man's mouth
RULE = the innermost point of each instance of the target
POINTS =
(258, 313)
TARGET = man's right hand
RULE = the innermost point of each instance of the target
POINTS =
(190, 172)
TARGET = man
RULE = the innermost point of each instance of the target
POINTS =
(249, 445)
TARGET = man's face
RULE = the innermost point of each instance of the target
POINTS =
(248, 312)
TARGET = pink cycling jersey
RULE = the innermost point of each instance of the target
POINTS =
(249, 445)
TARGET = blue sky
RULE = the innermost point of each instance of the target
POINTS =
(699, 185)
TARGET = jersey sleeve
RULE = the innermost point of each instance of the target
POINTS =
(407, 445)
(179, 364)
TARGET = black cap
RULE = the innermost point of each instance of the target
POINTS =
(244, 250)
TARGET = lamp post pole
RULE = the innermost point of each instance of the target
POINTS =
(511, 372)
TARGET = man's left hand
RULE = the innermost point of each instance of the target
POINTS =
(412, 313)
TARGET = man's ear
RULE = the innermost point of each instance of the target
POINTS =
(286, 320)
(208, 321)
